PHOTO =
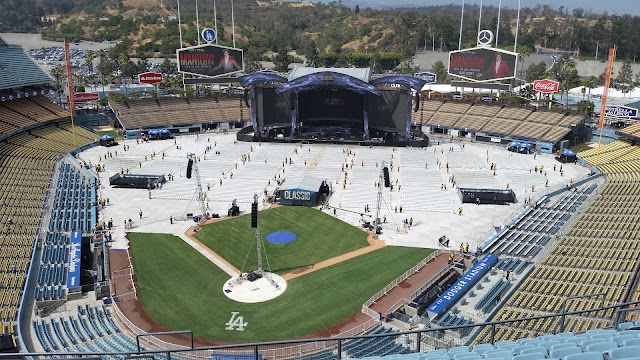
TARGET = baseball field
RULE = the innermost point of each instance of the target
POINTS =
(181, 289)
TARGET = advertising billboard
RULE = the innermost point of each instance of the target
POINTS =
(621, 111)
(430, 78)
(482, 64)
(84, 97)
(546, 86)
(209, 60)
(150, 78)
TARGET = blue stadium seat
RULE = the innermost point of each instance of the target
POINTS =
(631, 342)
(499, 354)
(560, 353)
(601, 347)
(534, 356)
(584, 356)
(626, 352)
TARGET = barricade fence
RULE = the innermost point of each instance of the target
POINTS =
(385, 343)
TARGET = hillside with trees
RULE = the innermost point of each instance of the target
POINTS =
(334, 34)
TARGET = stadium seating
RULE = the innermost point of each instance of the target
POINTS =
(177, 111)
(72, 205)
(597, 254)
(517, 122)
(91, 330)
(592, 345)
(26, 166)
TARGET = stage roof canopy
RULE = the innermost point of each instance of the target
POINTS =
(308, 183)
(331, 79)
(362, 74)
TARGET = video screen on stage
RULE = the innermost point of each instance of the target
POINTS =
(276, 107)
(324, 104)
(389, 111)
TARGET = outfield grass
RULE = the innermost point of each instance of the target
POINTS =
(182, 290)
(320, 237)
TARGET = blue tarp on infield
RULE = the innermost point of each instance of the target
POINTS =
(281, 237)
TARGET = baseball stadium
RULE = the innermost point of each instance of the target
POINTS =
(324, 213)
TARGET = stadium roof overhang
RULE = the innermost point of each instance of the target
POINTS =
(328, 79)
(411, 82)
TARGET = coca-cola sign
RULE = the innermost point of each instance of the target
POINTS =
(546, 86)
(84, 97)
(149, 78)
(621, 111)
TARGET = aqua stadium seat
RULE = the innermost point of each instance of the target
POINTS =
(601, 347)
(584, 356)
(631, 342)
(499, 354)
(625, 352)
(560, 353)
(534, 356)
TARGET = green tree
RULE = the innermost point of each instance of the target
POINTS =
(328, 59)
(440, 70)
(167, 67)
(567, 76)
(57, 73)
(281, 60)
(536, 72)
(360, 60)
(625, 74)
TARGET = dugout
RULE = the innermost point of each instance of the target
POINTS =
(301, 191)
(487, 196)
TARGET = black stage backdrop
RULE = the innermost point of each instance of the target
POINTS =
(389, 111)
(325, 104)
(276, 107)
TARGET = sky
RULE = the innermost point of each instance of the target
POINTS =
(611, 6)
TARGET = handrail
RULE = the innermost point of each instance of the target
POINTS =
(402, 278)
(258, 346)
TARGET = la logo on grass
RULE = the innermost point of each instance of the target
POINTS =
(236, 322)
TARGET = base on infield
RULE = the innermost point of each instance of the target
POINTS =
(245, 291)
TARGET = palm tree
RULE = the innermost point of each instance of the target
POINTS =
(523, 51)
(56, 71)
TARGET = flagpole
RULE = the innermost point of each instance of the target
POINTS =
(215, 20)
(179, 24)
(197, 22)
(480, 18)
(498, 25)
(515, 43)
(233, 25)
(461, 19)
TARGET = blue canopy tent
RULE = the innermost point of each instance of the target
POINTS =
(567, 156)
(107, 140)
(164, 133)
(520, 147)
(153, 134)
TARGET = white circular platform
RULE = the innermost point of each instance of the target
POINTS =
(245, 291)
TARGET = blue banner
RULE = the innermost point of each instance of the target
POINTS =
(73, 276)
(430, 78)
(621, 111)
(466, 282)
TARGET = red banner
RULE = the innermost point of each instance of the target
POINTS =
(607, 82)
(83, 97)
(150, 78)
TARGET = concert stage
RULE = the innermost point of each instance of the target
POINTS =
(336, 106)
